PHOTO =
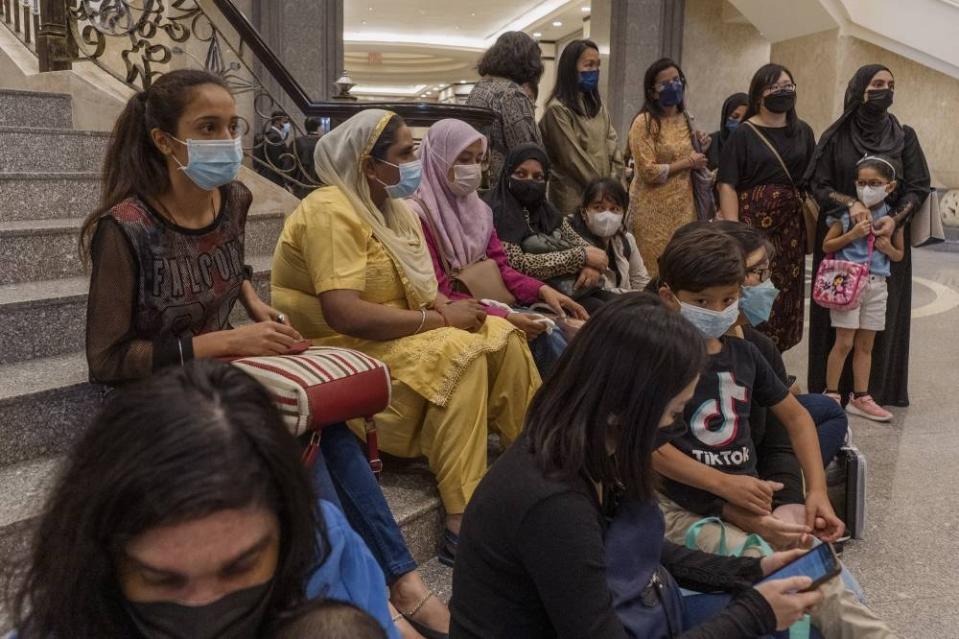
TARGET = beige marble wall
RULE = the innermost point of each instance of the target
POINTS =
(719, 58)
(814, 61)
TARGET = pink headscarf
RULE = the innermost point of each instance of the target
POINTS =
(461, 226)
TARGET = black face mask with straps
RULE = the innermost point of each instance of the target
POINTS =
(528, 192)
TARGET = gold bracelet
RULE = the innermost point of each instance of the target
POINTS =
(422, 321)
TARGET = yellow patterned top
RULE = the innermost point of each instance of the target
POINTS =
(324, 246)
(659, 203)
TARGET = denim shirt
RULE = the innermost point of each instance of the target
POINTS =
(858, 250)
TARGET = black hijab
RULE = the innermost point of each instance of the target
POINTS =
(732, 103)
(879, 134)
(508, 216)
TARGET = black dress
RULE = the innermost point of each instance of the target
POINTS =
(769, 201)
(835, 173)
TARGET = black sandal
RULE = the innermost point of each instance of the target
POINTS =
(426, 631)
(446, 553)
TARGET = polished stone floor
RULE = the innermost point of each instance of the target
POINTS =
(909, 561)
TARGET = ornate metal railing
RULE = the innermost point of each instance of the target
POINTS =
(136, 41)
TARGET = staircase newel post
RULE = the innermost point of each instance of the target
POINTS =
(53, 39)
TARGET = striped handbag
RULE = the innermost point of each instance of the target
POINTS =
(323, 386)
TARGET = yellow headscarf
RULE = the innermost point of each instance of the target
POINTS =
(338, 158)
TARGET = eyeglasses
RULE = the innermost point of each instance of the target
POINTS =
(761, 272)
(776, 88)
(873, 183)
(663, 85)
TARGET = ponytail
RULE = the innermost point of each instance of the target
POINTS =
(133, 165)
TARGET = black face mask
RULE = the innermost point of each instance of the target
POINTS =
(528, 192)
(668, 433)
(878, 101)
(780, 102)
(238, 615)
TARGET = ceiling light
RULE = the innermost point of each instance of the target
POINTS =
(537, 34)
(584, 9)
(436, 88)
(462, 81)
(557, 24)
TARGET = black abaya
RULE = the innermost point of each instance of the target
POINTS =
(835, 172)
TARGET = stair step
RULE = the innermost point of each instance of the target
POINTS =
(48, 318)
(33, 109)
(412, 497)
(438, 578)
(43, 403)
(44, 196)
(33, 250)
(31, 149)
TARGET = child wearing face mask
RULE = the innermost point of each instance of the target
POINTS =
(600, 221)
(857, 242)
(701, 273)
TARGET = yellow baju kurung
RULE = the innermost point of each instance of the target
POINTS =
(659, 203)
(449, 386)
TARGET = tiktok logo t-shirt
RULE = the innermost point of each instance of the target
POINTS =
(718, 417)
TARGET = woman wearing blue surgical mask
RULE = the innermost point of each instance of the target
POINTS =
(353, 269)
(661, 195)
(578, 134)
(167, 242)
(731, 116)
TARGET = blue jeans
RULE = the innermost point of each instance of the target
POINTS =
(831, 423)
(700, 608)
(776, 459)
(546, 350)
(342, 475)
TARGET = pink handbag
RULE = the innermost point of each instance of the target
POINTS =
(840, 284)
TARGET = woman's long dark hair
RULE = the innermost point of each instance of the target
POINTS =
(650, 103)
(133, 165)
(567, 91)
(514, 55)
(766, 76)
(613, 384)
(187, 443)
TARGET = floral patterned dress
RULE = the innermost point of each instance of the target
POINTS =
(659, 203)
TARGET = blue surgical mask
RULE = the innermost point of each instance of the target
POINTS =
(286, 130)
(588, 80)
(410, 174)
(672, 94)
(756, 302)
(711, 323)
(732, 124)
(212, 163)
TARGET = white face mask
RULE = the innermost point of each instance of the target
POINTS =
(871, 195)
(604, 223)
(466, 179)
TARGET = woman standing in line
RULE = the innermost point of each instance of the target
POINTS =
(577, 132)
(660, 140)
(734, 108)
(510, 70)
(867, 127)
(759, 179)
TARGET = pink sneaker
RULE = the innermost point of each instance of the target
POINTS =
(867, 407)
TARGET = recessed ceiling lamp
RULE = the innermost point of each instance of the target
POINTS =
(557, 24)
(537, 34)
(462, 81)
(584, 9)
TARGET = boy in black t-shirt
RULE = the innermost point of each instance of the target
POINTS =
(701, 274)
